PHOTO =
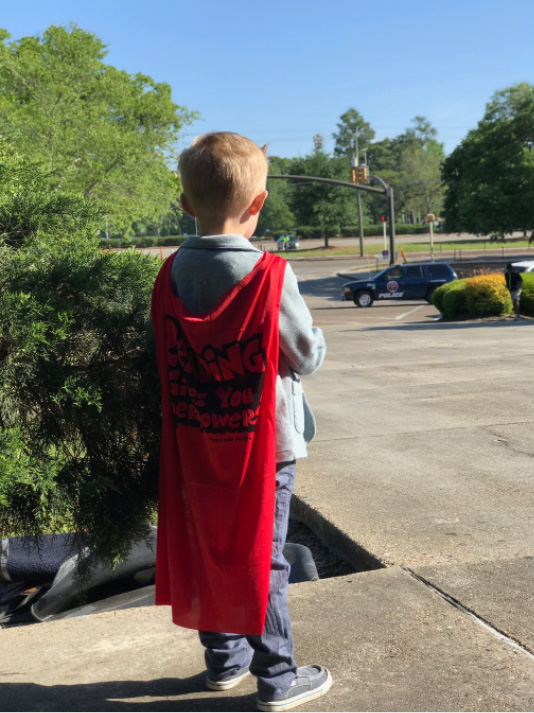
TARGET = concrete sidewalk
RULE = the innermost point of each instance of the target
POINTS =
(389, 640)
(424, 461)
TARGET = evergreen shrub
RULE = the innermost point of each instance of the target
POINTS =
(79, 395)
(438, 295)
(146, 241)
(454, 300)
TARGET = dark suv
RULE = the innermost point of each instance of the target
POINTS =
(415, 281)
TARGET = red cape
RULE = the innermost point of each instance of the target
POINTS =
(218, 451)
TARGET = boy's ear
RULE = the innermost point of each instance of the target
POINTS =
(257, 203)
(185, 205)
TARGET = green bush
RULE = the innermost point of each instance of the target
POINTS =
(527, 295)
(378, 230)
(143, 242)
(310, 231)
(454, 301)
(79, 394)
(480, 296)
(304, 232)
(439, 294)
(172, 241)
(147, 241)
(486, 296)
(110, 243)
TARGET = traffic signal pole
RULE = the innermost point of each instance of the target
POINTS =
(360, 221)
(356, 165)
(384, 190)
(391, 221)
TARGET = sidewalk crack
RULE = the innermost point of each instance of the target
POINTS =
(507, 441)
(484, 623)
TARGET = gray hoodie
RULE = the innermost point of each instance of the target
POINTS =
(207, 267)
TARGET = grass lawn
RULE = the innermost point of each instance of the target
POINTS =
(374, 250)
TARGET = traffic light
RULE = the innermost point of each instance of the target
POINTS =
(361, 174)
(358, 174)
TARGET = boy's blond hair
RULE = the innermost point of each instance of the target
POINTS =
(221, 172)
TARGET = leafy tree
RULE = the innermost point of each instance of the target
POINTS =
(29, 211)
(320, 204)
(490, 175)
(95, 130)
(420, 160)
(411, 163)
(276, 214)
(423, 131)
(350, 122)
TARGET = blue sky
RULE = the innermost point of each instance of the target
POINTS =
(280, 72)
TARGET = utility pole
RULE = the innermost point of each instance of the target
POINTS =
(355, 164)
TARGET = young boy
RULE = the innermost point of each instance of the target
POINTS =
(232, 334)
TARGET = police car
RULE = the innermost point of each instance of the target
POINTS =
(416, 281)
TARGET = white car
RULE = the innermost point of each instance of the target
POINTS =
(525, 266)
(290, 243)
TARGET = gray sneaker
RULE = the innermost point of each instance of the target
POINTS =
(226, 681)
(311, 682)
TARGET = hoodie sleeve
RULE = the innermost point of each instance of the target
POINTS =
(301, 343)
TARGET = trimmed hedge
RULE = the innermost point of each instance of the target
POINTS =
(377, 230)
(306, 232)
(480, 296)
(487, 295)
(453, 305)
(148, 241)
(437, 296)
(454, 300)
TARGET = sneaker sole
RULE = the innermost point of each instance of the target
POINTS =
(299, 700)
(226, 685)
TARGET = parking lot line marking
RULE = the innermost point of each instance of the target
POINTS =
(401, 316)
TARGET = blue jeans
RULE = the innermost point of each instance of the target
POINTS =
(269, 655)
